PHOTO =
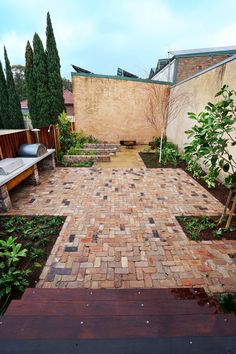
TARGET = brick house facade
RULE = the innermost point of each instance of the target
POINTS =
(185, 63)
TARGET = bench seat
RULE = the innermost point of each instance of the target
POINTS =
(29, 171)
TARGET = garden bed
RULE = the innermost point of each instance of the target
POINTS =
(87, 151)
(203, 228)
(220, 192)
(37, 235)
(84, 158)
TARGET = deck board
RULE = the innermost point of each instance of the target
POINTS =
(177, 345)
(53, 294)
(111, 307)
(114, 327)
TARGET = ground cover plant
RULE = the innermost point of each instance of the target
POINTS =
(199, 228)
(25, 244)
(170, 156)
(228, 302)
(88, 163)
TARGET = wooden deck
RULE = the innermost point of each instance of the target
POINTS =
(117, 321)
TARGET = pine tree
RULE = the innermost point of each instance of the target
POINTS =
(3, 100)
(15, 118)
(30, 82)
(55, 85)
(40, 75)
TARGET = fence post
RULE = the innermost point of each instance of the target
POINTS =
(28, 137)
(1, 154)
(56, 138)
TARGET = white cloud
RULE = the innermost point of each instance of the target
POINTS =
(15, 45)
(150, 17)
(224, 37)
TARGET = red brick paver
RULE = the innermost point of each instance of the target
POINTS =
(121, 230)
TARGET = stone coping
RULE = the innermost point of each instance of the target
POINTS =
(81, 158)
(99, 151)
(102, 146)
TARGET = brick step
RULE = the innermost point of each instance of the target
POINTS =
(51, 294)
(144, 326)
(110, 307)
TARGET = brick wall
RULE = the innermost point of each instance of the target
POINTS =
(113, 109)
(187, 67)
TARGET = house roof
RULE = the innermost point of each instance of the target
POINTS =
(199, 51)
(67, 94)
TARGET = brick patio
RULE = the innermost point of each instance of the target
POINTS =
(121, 230)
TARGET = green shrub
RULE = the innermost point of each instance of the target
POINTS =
(192, 166)
(67, 138)
(147, 149)
(71, 142)
(170, 153)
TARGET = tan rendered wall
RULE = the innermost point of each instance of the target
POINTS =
(192, 96)
(113, 110)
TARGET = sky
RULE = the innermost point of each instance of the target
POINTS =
(102, 35)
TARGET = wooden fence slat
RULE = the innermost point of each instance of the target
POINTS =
(10, 143)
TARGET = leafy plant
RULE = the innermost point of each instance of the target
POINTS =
(170, 153)
(228, 302)
(11, 252)
(88, 163)
(213, 136)
(11, 277)
(36, 254)
(193, 226)
(147, 149)
(67, 138)
(22, 244)
(76, 151)
(71, 142)
(192, 166)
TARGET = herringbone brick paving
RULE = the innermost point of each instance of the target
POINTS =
(121, 230)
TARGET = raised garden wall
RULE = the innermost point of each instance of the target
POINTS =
(83, 158)
(102, 146)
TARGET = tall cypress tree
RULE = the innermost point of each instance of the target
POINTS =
(30, 82)
(55, 85)
(40, 75)
(3, 100)
(15, 118)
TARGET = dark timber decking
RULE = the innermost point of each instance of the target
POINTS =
(117, 321)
